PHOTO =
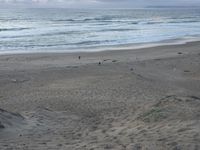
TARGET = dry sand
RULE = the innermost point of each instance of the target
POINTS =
(145, 99)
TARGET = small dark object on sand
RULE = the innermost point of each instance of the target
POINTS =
(131, 69)
(195, 97)
(106, 59)
(180, 53)
(186, 70)
(114, 61)
(1, 126)
(99, 63)
(79, 57)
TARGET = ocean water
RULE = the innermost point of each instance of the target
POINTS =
(46, 30)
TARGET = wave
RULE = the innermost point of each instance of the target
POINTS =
(75, 44)
(15, 19)
(134, 22)
(117, 30)
(60, 33)
(91, 42)
(43, 34)
(155, 22)
(184, 21)
(108, 20)
(12, 29)
(64, 20)
(173, 21)
(99, 19)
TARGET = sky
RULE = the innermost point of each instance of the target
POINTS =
(97, 3)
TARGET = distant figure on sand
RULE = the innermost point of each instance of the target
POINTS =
(79, 57)
(99, 63)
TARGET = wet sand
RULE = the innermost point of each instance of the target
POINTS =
(126, 99)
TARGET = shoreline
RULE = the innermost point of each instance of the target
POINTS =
(45, 60)
(120, 47)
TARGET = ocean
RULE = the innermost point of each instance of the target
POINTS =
(72, 30)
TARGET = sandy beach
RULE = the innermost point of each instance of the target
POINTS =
(142, 99)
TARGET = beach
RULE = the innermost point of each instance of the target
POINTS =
(141, 99)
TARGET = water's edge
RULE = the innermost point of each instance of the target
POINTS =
(180, 41)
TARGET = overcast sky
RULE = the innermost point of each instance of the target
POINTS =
(98, 3)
